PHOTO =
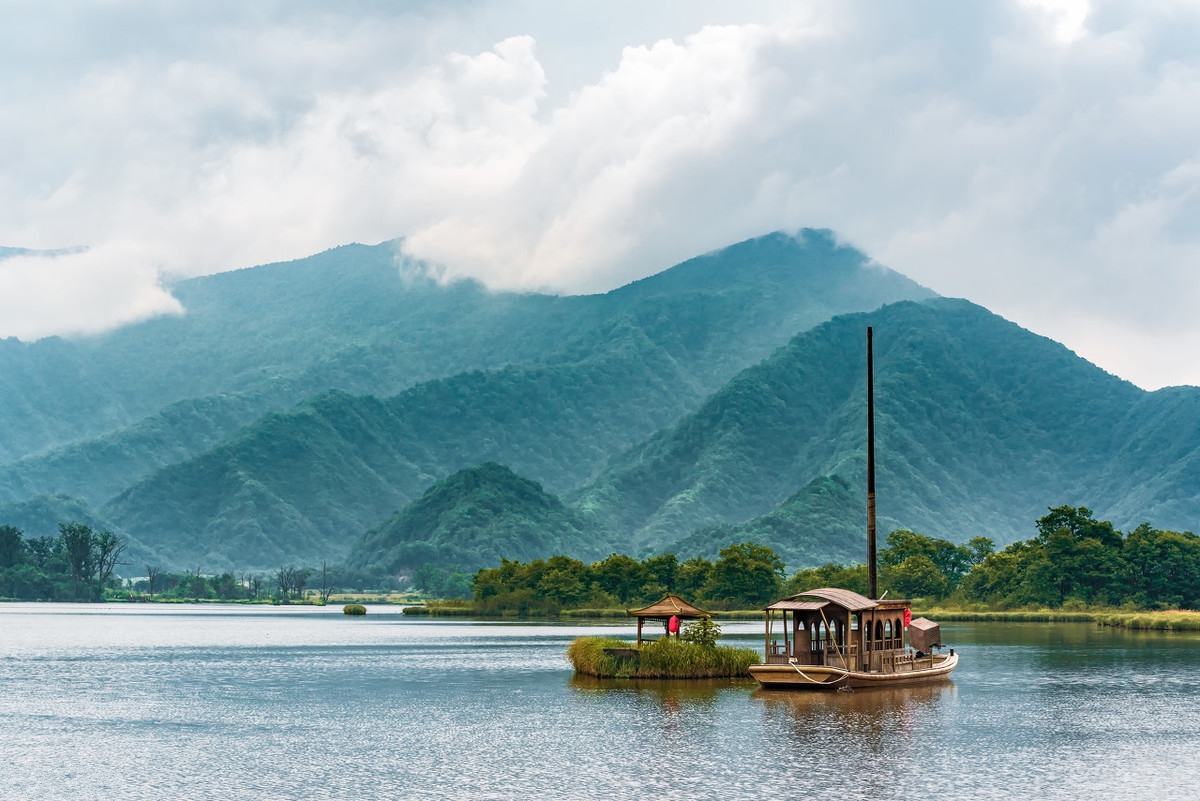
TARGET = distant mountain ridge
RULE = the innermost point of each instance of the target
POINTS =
(683, 411)
(367, 321)
(586, 378)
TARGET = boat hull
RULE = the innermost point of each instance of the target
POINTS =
(814, 677)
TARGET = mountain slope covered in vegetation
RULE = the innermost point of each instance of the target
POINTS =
(474, 519)
(90, 416)
(980, 426)
(303, 485)
(823, 522)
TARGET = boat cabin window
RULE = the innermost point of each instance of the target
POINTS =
(879, 629)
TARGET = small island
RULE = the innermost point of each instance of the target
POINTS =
(692, 653)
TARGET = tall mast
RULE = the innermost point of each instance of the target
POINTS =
(872, 581)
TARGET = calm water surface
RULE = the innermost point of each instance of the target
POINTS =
(264, 702)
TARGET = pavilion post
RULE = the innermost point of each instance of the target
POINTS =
(767, 629)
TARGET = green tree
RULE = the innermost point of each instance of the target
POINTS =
(916, 577)
(1079, 524)
(662, 571)
(952, 561)
(996, 579)
(78, 545)
(426, 578)
(692, 576)
(1081, 558)
(1164, 567)
(12, 547)
(620, 576)
(41, 551)
(563, 581)
(980, 548)
(226, 586)
(747, 575)
(830, 575)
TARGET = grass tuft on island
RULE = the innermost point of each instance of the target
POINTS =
(663, 659)
(450, 607)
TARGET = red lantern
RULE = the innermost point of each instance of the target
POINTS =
(673, 624)
(907, 617)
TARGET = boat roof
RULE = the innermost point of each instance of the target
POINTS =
(789, 605)
(847, 599)
(668, 606)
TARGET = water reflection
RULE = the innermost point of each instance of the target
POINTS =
(870, 713)
(692, 690)
(866, 737)
(672, 709)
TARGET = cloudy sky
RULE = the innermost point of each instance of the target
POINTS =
(1039, 157)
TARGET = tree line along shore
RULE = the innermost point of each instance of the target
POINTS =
(1076, 567)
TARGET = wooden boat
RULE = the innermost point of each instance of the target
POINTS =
(830, 638)
(839, 639)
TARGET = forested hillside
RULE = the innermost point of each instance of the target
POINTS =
(305, 484)
(825, 521)
(589, 377)
(347, 318)
(474, 519)
(92, 415)
(980, 425)
(647, 410)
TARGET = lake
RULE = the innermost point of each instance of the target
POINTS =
(189, 702)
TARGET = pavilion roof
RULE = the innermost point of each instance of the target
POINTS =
(670, 605)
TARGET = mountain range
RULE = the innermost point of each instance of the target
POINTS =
(296, 443)
(306, 411)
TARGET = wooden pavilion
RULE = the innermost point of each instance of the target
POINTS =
(662, 612)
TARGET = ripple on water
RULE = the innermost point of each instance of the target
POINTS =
(208, 703)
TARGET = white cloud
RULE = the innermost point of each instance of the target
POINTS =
(1038, 156)
(83, 292)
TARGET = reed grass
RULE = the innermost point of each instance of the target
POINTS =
(354, 609)
(663, 659)
(594, 613)
(452, 607)
(741, 614)
(1171, 620)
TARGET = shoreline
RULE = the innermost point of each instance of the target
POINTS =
(1170, 620)
(1173, 620)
